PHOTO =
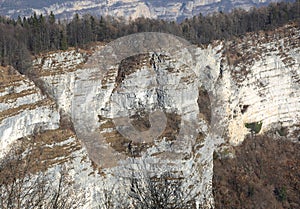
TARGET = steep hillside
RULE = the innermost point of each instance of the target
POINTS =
(262, 165)
(150, 104)
(171, 9)
(264, 71)
(100, 101)
(24, 110)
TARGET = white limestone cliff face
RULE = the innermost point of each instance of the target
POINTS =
(253, 79)
(168, 85)
(173, 10)
(263, 86)
(23, 109)
(57, 73)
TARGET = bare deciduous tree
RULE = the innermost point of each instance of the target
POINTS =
(22, 187)
(111, 196)
(167, 190)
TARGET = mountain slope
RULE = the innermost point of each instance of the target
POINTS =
(251, 79)
(171, 9)
(23, 108)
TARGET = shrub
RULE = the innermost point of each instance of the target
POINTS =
(280, 194)
(254, 127)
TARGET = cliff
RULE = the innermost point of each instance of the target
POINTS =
(171, 10)
(264, 84)
(24, 110)
(184, 103)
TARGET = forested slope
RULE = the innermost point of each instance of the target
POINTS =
(21, 38)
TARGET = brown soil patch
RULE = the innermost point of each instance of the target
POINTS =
(9, 75)
(14, 96)
(141, 121)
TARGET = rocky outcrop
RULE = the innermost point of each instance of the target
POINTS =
(172, 10)
(171, 107)
(23, 108)
(251, 80)
(139, 85)
(56, 71)
(261, 81)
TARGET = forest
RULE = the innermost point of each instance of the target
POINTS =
(24, 37)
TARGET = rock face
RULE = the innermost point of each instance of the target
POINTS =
(204, 97)
(132, 89)
(57, 73)
(171, 9)
(23, 108)
(263, 79)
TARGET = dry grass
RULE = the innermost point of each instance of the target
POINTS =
(141, 122)
(57, 68)
(14, 96)
(14, 111)
(131, 65)
(44, 150)
(109, 77)
(242, 52)
(8, 76)
(50, 148)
